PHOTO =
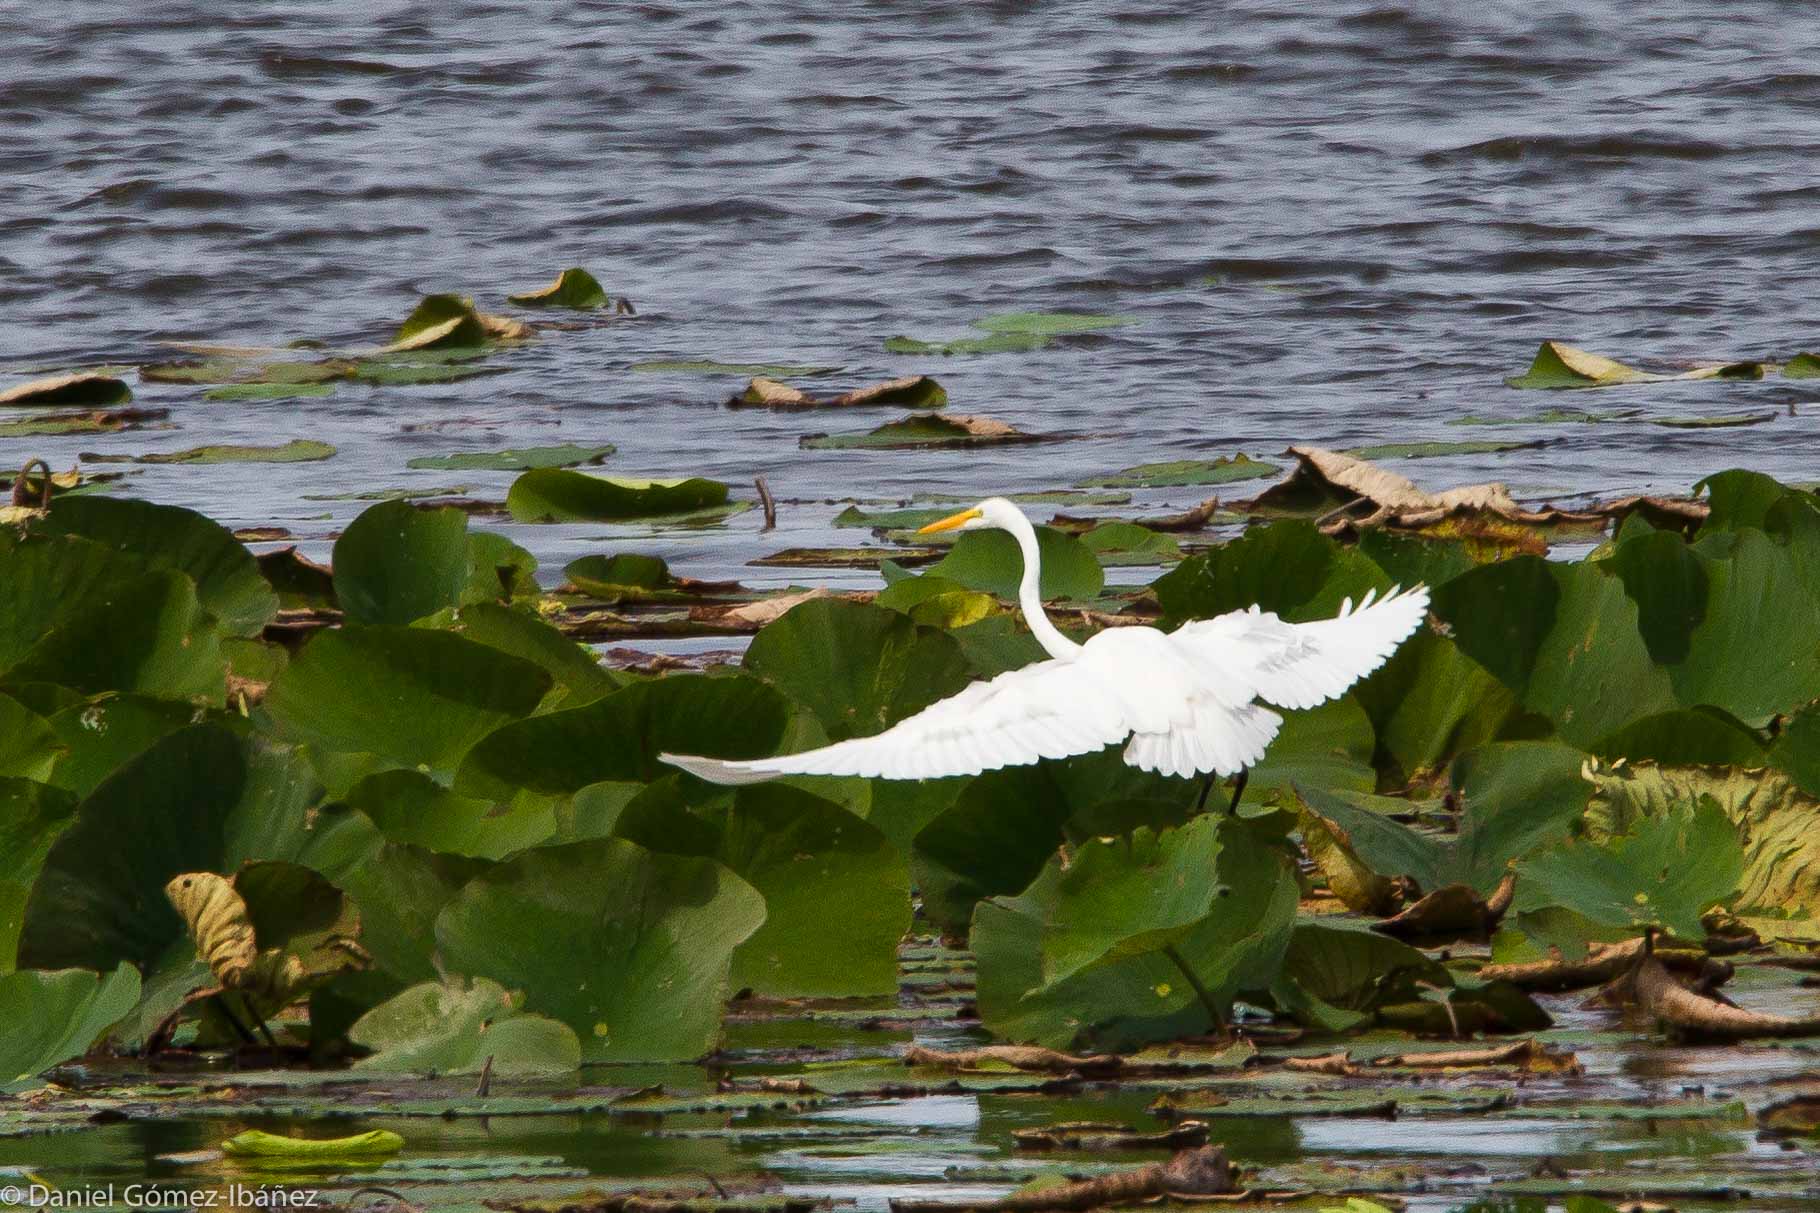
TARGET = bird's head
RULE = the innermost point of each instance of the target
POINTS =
(993, 512)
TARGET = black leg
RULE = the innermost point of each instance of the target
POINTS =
(1238, 790)
(1206, 787)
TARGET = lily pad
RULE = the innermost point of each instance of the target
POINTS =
(414, 696)
(1552, 416)
(768, 370)
(927, 430)
(573, 288)
(1183, 472)
(297, 450)
(625, 577)
(991, 561)
(80, 388)
(631, 949)
(1050, 323)
(558, 495)
(248, 369)
(451, 322)
(1562, 366)
(52, 1017)
(107, 421)
(914, 391)
(269, 391)
(325, 1151)
(1802, 366)
(462, 1027)
(1430, 450)
(1719, 422)
(518, 460)
(396, 563)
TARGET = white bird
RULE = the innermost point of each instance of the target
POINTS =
(1184, 702)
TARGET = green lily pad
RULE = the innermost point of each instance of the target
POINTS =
(297, 450)
(882, 520)
(991, 561)
(1802, 366)
(519, 460)
(111, 421)
(998, 343)
(396, 563)
(28, 745)
(573, 288)
(449, 322)
(1719, 422)
(579, 676)
(767, 370)
(1668, 871)
(926, 430)
(1562, 366)
(1124, 543)
(409, 807)
(1552, 416)
(227, 579)
(414, 369)
(631, 949)
(258, 1144)
(147, 634)
(1050, 323)
(558, 495)
(410, 695)
(1430, 450)
(1183, 472)
(247, 369)
(1111, 948)
(859, 668)
(458, 1026)
(80, 388)
(625, 577)
(269, 391)
(55, 1016)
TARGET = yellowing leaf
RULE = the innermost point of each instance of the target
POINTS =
(218, 922)
(1563, 366)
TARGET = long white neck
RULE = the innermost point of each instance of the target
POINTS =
(1030, 595)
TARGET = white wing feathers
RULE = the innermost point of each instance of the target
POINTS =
(1299, 665)
(1048, 710)
(1186, 700)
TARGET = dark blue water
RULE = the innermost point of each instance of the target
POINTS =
(1334, 225)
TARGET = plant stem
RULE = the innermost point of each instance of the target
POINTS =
(1194, 983)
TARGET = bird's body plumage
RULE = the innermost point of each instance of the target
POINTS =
(1185, 702)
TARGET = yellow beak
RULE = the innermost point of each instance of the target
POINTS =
(950, 523)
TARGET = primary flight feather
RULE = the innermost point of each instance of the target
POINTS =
(1185, 702)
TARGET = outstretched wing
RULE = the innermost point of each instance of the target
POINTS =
(1048, 710)
(1298, 665)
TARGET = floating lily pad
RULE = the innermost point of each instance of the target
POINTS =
(573, 288)
(844, 558)
(417, 368)
(297, 450)
(269, 391)
(521, 459)
(558, 495)
(1802, 366)
(1183, 472)
(998, 343)
(882, 520)
(248, 370)
(1050, 323)
(913, 391)
(81, 388)
(927, 430)
(1722, 421)
(1430, 450)
(626, 577)
(1551, 416)
(1127, 543)
(1562, 366)
(768, 370)
(108, 421)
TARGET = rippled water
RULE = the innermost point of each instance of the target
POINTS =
(1333, 226)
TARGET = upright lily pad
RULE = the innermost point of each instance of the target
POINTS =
(522, 459)
(558, 495)
(631, 949)
(1562, 366)
(413, 696)
(1182, 472)
(52, 1017)
(396, 563)
(411, 808)
(81, 388)
(450, 322)
(458, 1026)
(1667, 871)
(991, 561)
(859, 668)
(1288, 567)
(147, 634)
(28, 745)
(1110, 949)
(227, 579)
(573, 288)
(623, 577)
(579, 676)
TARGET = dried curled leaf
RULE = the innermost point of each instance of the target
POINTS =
(219, 923)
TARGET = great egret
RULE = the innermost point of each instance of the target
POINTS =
(1187, 699)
